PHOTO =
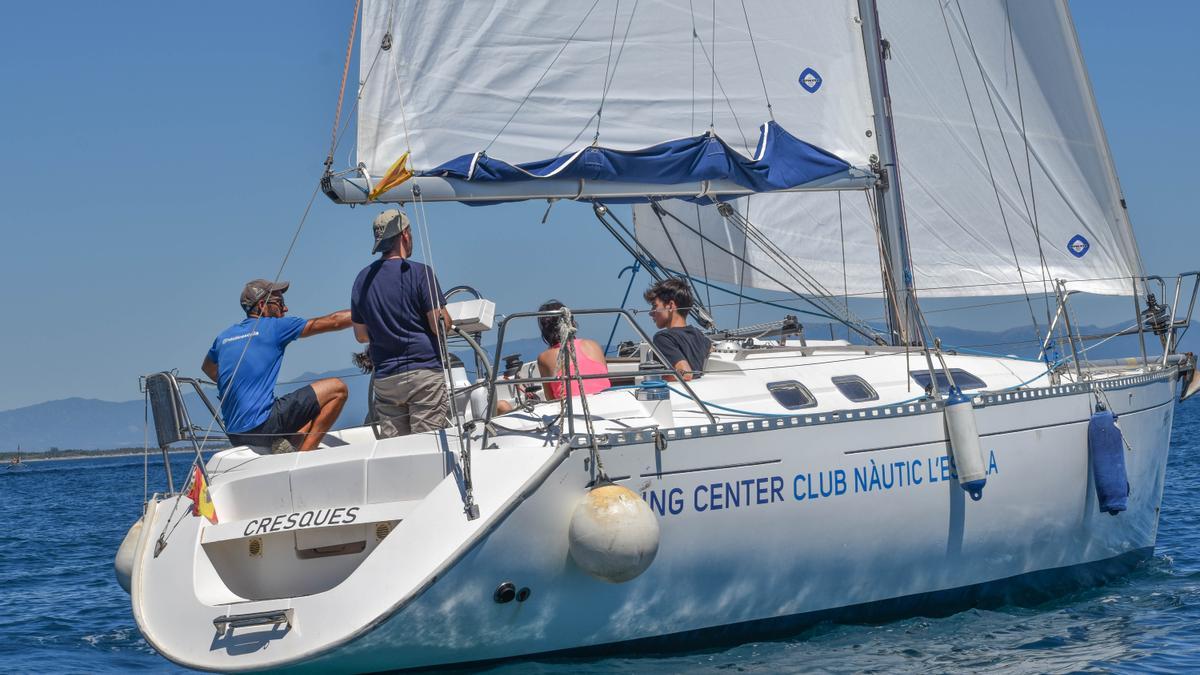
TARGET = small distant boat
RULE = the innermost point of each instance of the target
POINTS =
(15, 462)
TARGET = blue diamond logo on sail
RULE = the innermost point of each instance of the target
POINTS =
(1078, 246)
(810, 80)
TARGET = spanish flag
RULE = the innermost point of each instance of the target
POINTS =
(198, 492)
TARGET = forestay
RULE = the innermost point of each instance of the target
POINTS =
(998, 135)
(529, 81)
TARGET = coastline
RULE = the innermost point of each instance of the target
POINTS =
(31, 457)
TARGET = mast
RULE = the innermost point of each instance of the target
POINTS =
(893, 232)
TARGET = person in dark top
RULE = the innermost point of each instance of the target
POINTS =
(244, 362)
(685, 347)
(398, 308)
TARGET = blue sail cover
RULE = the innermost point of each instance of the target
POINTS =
(780, 162)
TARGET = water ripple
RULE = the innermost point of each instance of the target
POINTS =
(65, 613)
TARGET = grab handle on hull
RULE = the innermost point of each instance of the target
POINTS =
(269, 618)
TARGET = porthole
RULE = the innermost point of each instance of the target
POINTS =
(791, 395)
(965, 381)
(855, 388)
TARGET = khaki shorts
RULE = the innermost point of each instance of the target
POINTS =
(412, 402)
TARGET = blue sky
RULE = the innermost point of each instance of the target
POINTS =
(159, 155)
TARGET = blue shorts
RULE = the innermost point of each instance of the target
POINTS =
(288, 415)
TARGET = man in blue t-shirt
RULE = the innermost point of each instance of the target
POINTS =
(397, 306)
(244, 362)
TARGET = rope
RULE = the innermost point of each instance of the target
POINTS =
(754, 47)
(1033, 212)
(671, 240)
(165, 535)
(742, 269)
(842, 234)
(607, 80)
(337, 115)
(712, 64)
(716, 81)
(983, 147)
(659, 213)
(806, 280)
(542, 77)
(569, 363)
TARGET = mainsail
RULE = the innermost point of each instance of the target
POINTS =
(1003, 158)
(513, 91)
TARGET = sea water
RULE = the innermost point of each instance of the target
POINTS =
(61, 609)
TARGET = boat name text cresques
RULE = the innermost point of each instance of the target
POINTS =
(290, 521)
(808, 486)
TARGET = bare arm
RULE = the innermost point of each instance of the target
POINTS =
(360, 333)
(436, 316)
(682, 367)
(338, 320)
(547, 362)
(210, 368)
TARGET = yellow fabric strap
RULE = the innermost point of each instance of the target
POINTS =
(395, 176)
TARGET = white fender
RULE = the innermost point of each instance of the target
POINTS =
(613, 534)
(964, 443)
(123, 563)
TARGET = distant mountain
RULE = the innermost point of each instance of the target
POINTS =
(90, 424)
(81, 423)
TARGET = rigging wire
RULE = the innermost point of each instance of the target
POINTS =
(754, 47)
(692, 11)
(607, 80)
(712, 95)
(742, 270)
(863, 329)
(806, 279)
(842, 233)
(1037, 233)
(542, 77)
(671, 240)
(983, 146)
(717, 84)
(165, 534)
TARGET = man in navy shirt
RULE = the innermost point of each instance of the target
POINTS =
(684, 346)
(397, 306)
(244, 362)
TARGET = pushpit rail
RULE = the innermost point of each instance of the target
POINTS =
(628, 316)
(492, 379)
(172, 422)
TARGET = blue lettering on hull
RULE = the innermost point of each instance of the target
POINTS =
(808, 486)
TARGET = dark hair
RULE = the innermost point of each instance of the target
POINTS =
(671, 290)
(551, 326)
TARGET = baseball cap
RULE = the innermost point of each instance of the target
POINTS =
(388, 224)
(258, 290)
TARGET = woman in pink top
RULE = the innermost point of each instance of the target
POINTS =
(587, 352)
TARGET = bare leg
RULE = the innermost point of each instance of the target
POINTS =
(331, 396)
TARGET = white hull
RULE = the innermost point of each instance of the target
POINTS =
(832, 511)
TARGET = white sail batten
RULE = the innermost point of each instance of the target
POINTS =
(964, 197)
(536, 79)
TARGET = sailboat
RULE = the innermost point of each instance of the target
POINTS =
(847, 149)
(15, 462)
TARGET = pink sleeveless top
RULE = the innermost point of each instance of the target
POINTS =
(587, 366)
